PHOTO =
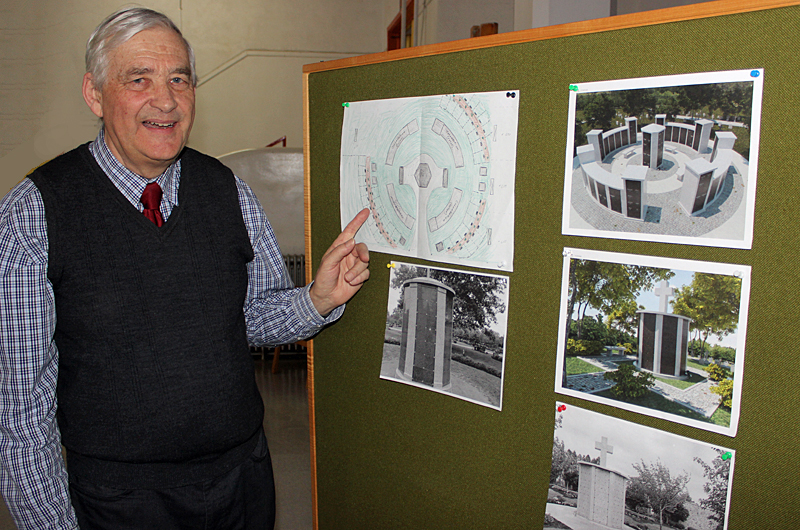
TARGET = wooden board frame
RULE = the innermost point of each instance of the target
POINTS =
(649, 18)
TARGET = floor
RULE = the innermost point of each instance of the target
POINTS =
(286, 424)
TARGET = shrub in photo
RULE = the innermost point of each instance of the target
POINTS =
(631, 383)
(584, 347)
(717, 372)
(725, 391)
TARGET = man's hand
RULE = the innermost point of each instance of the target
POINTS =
(344, 268)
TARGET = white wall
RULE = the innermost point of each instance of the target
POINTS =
(249, 57)
(564, 11)
(250, 51)
(455, 18)
(635, 6)
(539, 13)
(448, 20)
(250, 89)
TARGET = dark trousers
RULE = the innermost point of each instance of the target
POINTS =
(242, 499)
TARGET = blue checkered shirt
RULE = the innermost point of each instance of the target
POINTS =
(33, 479)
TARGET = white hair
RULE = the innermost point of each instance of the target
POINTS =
(117, 29)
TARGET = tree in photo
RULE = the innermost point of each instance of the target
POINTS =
(717, 475)
(668, 102)
(599, 109)
(636, 501)
(477, 297)
(662, 492)
(637, 102)
(623, 317)
(605, 287)
(560, 461)
(712, 302)
(727, 101)
(564, 470)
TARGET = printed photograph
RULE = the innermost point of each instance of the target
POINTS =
(669, 159)
(657, 336)
(446, 332)
(609, 473)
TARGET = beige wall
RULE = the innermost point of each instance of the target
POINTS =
(635, 6)
(448, 20)
(250, 90)
(250, 52)
(250, 55)
(537, 13)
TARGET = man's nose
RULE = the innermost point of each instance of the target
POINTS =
(163, 97)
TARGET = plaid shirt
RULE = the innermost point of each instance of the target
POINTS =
(33, 479)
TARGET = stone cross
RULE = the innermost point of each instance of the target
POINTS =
(604, 449)
(664, 292)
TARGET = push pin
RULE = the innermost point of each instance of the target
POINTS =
(727, 456)
(562, 408)
(574, 88)
(390, 266)
(345, 104)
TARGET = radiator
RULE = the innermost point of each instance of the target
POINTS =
(296, 265)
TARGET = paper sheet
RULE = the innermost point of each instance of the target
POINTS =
(437, 173)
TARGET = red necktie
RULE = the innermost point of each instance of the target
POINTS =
(151, 199)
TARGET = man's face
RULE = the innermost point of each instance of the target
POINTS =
(147, 101)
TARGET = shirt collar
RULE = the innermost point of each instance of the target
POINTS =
(129, 183)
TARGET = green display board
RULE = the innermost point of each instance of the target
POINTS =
(390, 455)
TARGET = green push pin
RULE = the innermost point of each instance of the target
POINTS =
(345, 104)
(727, 456)
(574, 88)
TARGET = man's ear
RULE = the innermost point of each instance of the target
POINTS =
(92, 95)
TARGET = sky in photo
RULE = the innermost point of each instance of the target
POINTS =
(632, 443)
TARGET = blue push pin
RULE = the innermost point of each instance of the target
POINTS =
(755, 73)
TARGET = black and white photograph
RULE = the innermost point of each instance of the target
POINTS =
(446, 332)
(609, 473)
(657, 336)
(669, 159)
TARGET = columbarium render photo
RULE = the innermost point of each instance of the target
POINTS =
(445, 331)
(664, 159)
(658, 336)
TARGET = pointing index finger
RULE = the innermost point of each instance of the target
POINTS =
(353, 226)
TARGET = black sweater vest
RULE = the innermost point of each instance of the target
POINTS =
(156, 385)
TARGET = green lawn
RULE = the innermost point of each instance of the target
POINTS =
(577, 366)
(657, 402)
(721, 416)
(695, 364)
(682, 383)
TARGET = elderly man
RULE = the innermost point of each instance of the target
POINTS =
(134, 272)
